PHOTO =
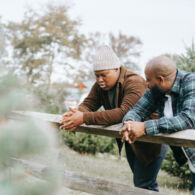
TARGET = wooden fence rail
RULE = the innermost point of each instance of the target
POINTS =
(84, 183)
(98, 186)
(184, 138)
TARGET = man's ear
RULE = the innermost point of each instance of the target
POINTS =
(161, 79)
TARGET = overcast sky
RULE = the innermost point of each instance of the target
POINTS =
(164, 26)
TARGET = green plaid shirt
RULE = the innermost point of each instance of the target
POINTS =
(183, 105)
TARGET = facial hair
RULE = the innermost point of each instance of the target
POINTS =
(157, 94)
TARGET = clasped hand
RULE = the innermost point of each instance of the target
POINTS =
(132, 130)
(72, 119)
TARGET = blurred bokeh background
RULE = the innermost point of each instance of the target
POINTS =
(46, 57)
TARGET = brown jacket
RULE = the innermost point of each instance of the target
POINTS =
(129, 89)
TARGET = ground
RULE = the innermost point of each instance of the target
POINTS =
(104, 166)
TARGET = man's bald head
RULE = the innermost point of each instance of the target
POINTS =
(161, 66)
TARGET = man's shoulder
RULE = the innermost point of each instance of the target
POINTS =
(185, 81)
(134, 81)
(186, 76)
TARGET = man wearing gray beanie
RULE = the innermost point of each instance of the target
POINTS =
(117, 90)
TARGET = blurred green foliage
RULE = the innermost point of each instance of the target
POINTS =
(186, 61)
(88, 143)
(21, 139)
(172, 167)
(51, 101)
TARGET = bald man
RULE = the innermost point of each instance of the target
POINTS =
(171, 92)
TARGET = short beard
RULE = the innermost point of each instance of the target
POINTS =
(157, 94)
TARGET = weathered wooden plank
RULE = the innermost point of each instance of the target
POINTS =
(84, 183)
(184, 138)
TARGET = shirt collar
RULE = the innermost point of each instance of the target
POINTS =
(176, 85)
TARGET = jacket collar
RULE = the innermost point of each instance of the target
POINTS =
(122, 75)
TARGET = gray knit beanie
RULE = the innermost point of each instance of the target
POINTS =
(105, 59)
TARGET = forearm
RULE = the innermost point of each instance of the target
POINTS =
(142, 109)
(132, 116)
(83, 108)
(169, 125)
(92, 102)
(106, 117)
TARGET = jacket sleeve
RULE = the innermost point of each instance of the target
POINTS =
(92, 102)
(142, 109)
(133, 90)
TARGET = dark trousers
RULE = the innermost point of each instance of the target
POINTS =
(193, 182)
(145, 176)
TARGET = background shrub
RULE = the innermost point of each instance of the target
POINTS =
(172, 167)
(87, 143)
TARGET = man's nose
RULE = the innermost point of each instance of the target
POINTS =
(99, 79)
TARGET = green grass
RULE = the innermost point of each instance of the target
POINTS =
(107, 167)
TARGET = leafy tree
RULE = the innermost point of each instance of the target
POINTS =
(127, 48)
(50, 101)
(187, 61)
(2, 44)
(43, 41)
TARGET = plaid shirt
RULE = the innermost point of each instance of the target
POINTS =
(183, 105)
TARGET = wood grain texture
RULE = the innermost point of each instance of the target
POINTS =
(184, 138)
(84, 183)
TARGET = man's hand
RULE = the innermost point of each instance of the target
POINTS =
(125, 132)
(132, 130)
(68, 114)
(71, 120)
